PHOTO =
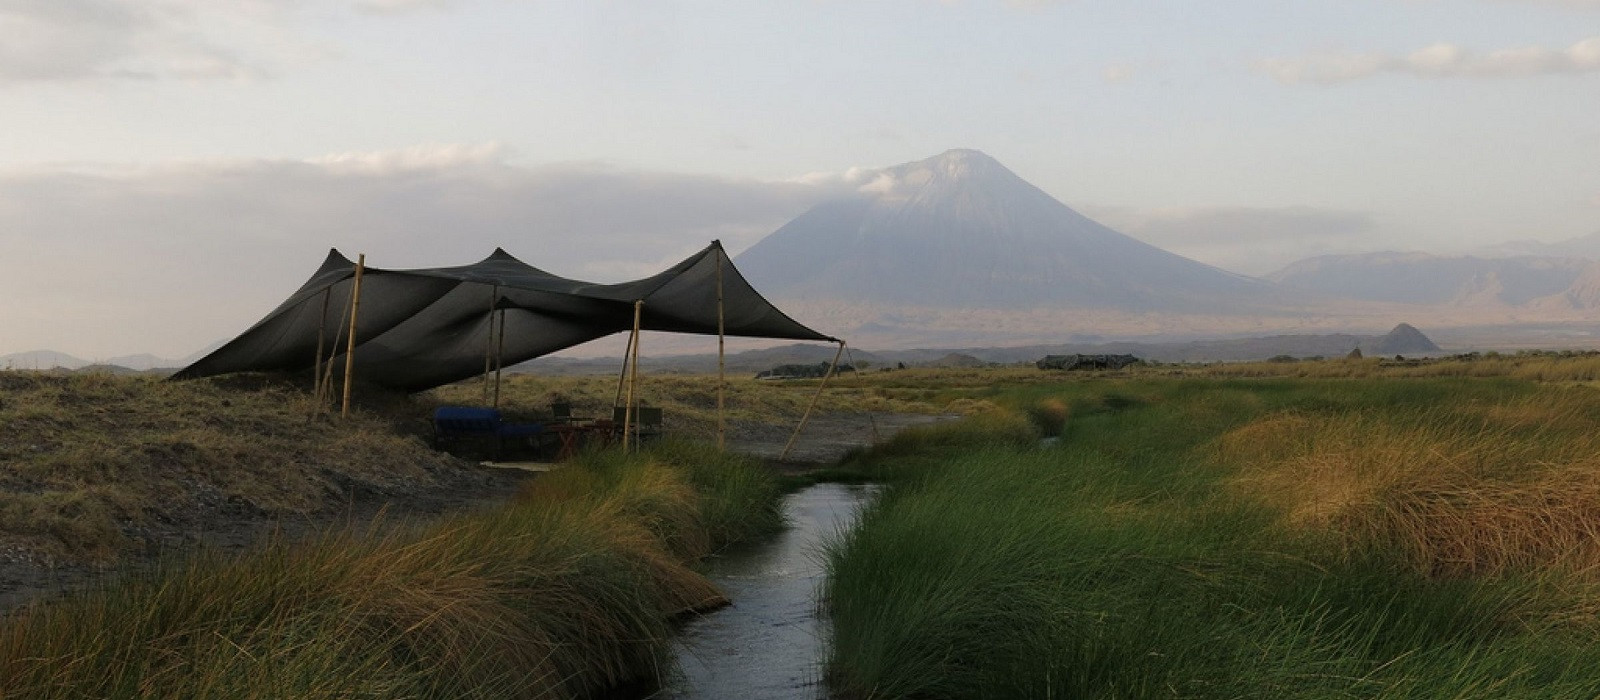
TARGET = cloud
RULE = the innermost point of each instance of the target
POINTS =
(77, 40)
(392, 7)
(100, 261)
(1243, 239)
(1119, 72)
(1441, 60)
(415, 158)
(1575, 4)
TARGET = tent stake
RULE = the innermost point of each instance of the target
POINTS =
(722, 374)
(488, 344)
(633, 384)
(850, 357)
(807, 415)
(350, 345)
(499, 355)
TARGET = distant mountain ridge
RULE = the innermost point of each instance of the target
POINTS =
(50, 359)
(959, 229)
(1461, 280)
(1582, 247)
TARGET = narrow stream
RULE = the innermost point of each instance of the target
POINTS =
(770, 642)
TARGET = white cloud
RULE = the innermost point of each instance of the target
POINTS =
(389, 7)
(421, 157)
(1119, 72)
(74, 40)
(1442, 60)
(105, 261)
(1575, 4)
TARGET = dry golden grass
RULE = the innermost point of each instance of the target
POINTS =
(689, 401)
(1532, 366)
(93, 461)
(1473, 489)
(566, 592)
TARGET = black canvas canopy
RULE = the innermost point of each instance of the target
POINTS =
(417, 329)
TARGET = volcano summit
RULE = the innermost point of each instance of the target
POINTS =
(959, 230)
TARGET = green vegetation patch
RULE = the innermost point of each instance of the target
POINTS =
(1162, 546)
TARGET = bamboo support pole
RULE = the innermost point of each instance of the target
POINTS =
(322, 333)
(499, 357)
(488, 343)
(722, 373)
(350, 345)
(325, 388)
(326, 394)
(807, 415)
(622, 379)
(633, 383)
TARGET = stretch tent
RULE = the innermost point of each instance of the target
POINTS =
(417, 329)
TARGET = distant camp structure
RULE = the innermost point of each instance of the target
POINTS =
(1085, 362)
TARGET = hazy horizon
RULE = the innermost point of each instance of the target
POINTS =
(172, 168)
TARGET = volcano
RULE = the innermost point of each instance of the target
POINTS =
(960, 230)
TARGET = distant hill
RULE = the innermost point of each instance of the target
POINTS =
(1584, 247)
(1421, 278)
(1405, 338)
(955, 360)
(50, 359)
(40, 359)
(959, 230)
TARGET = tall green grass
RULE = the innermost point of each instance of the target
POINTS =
(1130, 560)
(567, 592)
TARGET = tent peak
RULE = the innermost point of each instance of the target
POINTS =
(501, 254)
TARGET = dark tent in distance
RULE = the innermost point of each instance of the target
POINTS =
(418, 329)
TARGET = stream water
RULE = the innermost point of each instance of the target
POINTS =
(770, 642)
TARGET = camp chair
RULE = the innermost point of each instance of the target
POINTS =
(647, 420)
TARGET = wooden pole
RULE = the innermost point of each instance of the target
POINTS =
(322, 333)
(499, 356)
(633, 384)
(350, 345)
(622, 379)
(488, 343)
(722, 373)
(807, 415)
(326, 394)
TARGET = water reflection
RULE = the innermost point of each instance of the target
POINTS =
(770, 642)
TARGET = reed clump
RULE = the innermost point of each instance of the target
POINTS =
(1228, 538)
(566, 592)
(1455, 490)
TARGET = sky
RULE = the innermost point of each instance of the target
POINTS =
(171, 169)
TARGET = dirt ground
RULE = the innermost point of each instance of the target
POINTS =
(826, 439)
